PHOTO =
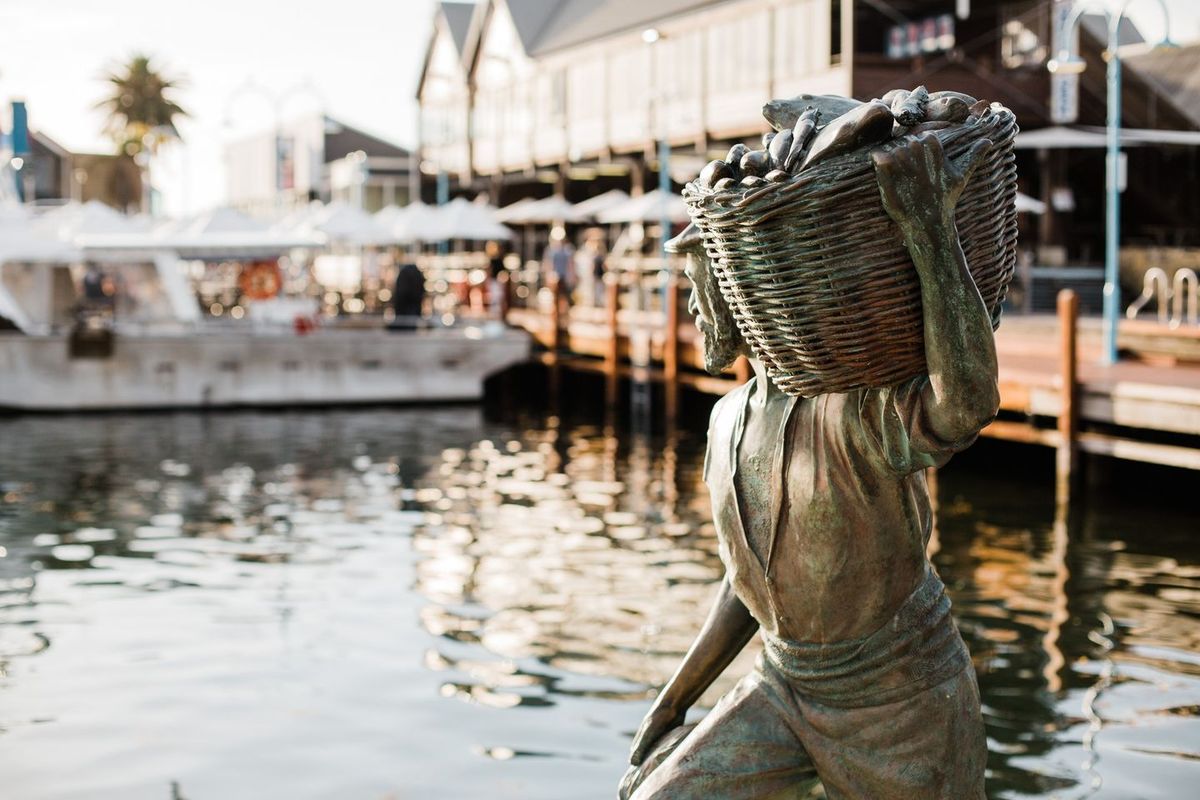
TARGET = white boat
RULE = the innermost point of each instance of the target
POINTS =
(164, 355)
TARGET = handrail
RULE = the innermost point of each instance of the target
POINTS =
(1155, 286)
(1185, 279)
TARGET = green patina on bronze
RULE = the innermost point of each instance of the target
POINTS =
(864, 689)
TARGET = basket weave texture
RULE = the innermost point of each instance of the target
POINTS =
(817, 275)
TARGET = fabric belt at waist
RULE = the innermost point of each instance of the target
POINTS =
(916, 650)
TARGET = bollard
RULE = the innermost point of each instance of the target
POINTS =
(556, 292)
(1068, 415)
(612, 302)
(671, 350)
(504, 291)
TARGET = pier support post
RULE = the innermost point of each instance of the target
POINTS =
(503, 301)
(612, 302)
(556, 321)
(1068, 415)
(671, 350)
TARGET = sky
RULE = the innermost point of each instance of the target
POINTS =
(361, 58)
(246, 61)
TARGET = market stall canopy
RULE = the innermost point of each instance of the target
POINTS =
(597, 205)
(346, 224)
(547, 211)
(73, 220)
(23, 241)
(647, 208)
(223, 233)
(415, 223)
(1061, 137)
(1026, 204)
(462, 219)
(513, 213)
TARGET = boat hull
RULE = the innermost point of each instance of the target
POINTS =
(218, 369)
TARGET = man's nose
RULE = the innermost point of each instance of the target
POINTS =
(693, 305)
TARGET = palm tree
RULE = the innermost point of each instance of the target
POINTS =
(141, 114)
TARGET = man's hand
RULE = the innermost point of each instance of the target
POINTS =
(920, 186)
(661, 720)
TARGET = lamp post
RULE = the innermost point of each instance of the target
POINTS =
(652, 36)
(1068, 62)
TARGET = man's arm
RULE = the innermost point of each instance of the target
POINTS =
(920, 188)
(725, 633)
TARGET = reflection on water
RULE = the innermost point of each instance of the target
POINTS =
(422, 603)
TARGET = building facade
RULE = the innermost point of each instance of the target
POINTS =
(527, 97)
(316, 158)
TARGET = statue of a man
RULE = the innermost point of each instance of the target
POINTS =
(823, 517)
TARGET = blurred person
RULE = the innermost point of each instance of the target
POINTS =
(408, 297)
(594, 261)
(496, 268)
(559, 260)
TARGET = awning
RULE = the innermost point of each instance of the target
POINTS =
(594, 206)
(1061, 137)
(547, 211)
(647, 208)
(1027, 204)
(462, 219)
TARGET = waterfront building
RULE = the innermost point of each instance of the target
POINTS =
(530, 98)
(315, 157)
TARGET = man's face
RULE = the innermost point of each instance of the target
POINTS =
(722, 341)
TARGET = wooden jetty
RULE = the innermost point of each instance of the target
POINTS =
(1054, 392)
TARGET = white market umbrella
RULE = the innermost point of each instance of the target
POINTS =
(647, 208)
(514, 213)
(462, 219)
(73, 220)
(597, 205)
(342, 222)
(414, 223)
(550, 210)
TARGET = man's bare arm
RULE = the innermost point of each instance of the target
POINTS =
(725, 633)
(920, 188)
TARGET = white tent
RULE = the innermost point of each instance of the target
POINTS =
(73, 220)
(647, 208)
(462, 219)
(221, 233)
(408, 224)
(513, 213)
(347, 224)
(548, 210)
(597, 205)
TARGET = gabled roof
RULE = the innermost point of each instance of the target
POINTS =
(579, 21)
(1175, 74)
(341, 139)
(458, 20)
(544, 26)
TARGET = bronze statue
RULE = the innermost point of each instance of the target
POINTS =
(823, 516)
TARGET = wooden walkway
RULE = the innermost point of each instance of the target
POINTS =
(1054, 391)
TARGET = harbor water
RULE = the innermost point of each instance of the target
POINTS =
(428, 603)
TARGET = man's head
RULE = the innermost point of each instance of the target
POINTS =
(723, 343)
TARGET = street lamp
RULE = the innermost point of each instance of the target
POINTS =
(652, 36)
(1068, 62)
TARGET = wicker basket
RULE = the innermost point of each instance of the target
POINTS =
(817, 274)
